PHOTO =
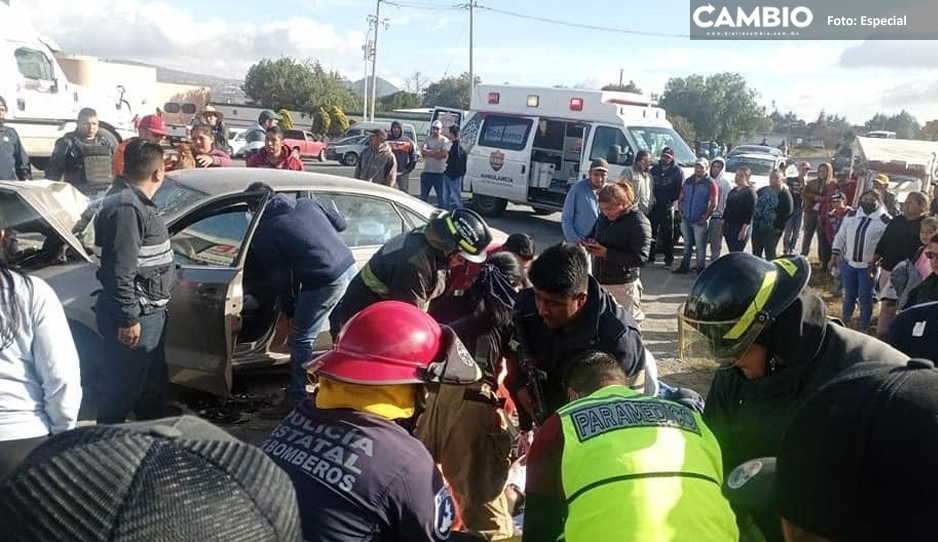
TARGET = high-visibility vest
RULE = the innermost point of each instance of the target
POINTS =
(641, 468)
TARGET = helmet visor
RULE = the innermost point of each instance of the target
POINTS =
(708, 344)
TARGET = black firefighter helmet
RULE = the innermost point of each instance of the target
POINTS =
(462, 231)
(733, 301)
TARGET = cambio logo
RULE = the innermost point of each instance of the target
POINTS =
(759, 17)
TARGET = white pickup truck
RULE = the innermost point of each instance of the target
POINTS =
(42, 104)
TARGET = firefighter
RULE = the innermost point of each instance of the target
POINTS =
(414, 266)
(358, 474)
(83, 158)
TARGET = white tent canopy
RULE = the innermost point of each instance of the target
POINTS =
(910, 151)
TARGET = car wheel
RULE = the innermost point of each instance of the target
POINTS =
(350, 159)
(540, 211)
(488, 205)
(322, 155)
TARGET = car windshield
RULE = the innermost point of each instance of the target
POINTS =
(759, 166)
(757, 148)
(174, 196)
(656, 138)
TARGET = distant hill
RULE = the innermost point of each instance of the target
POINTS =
(223, 90)
(385, 88)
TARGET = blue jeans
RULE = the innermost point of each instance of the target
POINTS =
(731, 235)
(694, 234)
(312, 311)
(792, 229)
(452, 193)
(858, 286)
(434, 181)
(135, 377)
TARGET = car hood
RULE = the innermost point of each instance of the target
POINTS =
(60, 204)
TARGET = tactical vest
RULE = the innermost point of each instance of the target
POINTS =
(636, 467)
(96, 163)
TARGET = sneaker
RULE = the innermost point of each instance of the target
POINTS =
(668, 265)
(681, 270)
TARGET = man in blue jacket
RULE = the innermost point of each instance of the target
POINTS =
(581, 208)
(309, 266)
(697, 203)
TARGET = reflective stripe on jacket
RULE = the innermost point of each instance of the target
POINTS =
(636, 467)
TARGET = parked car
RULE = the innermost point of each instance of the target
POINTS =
(364, 128)
(223, 319)
(760, 164)
(305, 144)
(758, 149)
(236, 142)
(347, 150)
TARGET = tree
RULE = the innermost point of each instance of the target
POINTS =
(683, 127)
(831, 129)
(415, 83)
(721, 106)
(631, 87)
(930, 130)
(451, 91)
(399, 100)
(339, 122)
(903, 124)
(321, 121)
(295, 85)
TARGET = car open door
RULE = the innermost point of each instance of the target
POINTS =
(448, 117)
(209, 246)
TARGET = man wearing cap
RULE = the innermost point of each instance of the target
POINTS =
(793, 225)
(435, 152)
(358, 474)
(854, 461)
(256, 137)
(179, 479)
(697, 203)
(14, 161)
(83, 158)
(581, 206)
(640, 180)
(668, 179)
(377, 163)
(890, 203)
(414, 266)
(617, 465)
(152, 128)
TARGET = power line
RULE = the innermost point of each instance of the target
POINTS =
(580, 25)
(419, 5)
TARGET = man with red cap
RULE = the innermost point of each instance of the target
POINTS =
(358, 474)
(150, 127)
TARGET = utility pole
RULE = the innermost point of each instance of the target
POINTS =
(366, 50)
(621, 76)
(472, 74)
(374, 59)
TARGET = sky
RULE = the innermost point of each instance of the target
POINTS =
(224, 37)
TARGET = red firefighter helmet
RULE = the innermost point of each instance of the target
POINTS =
(391, 342)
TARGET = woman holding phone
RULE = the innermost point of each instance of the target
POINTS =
(620, 243)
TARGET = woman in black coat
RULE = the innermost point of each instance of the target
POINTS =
(620, 243)
(740, 207)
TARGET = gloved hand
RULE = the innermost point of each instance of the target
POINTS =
(685, 396)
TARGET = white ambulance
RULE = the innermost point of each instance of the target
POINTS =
(529, 145)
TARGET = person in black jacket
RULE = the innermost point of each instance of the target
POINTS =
(899, 242)
(14, 162)
(137, 275)
(667, 178)
(620, 243)
(405, 154)
(772, 210)
(567, 313)
(927, 291)
(83, 158)
(740, 207)
(455, 170)
(770, 333)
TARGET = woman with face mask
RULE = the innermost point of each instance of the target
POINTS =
(853, 250)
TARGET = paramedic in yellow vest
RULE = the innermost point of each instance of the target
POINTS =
(617, 465)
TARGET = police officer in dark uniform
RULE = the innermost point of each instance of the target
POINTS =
(83, 158)
(14, 162)
(414, 267)
(359, 475)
